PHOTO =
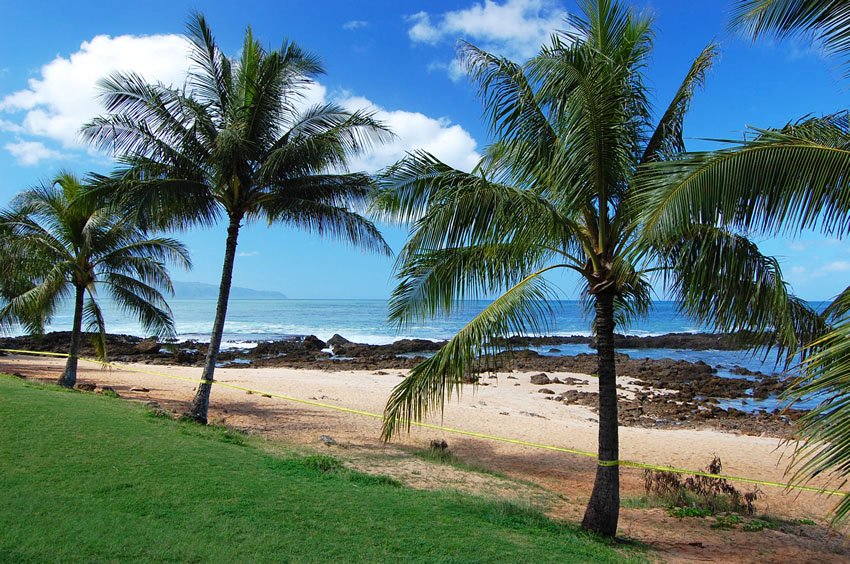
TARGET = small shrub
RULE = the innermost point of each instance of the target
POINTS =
(109, 392)
(714, 494)
(726, 522)
(322, 463)
(362, 479)
(806, 521)
(757, 525)
(681, 512)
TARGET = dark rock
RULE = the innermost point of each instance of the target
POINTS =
(148, 346)
(540, 379)
(313, 343)
(186, 357)
(139, 389)
(337, 340)
(85, 386)
(328, 440)
(546, 391)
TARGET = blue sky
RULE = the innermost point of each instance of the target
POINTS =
(396, 57)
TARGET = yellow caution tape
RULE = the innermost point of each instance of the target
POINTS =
(577, 452)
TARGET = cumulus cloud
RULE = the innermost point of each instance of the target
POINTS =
(64, 94)
(355, 24)
(449, 142)
(29, 153)
(513, 28)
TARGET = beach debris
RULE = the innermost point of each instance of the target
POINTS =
(570, 381)
(517, 384)
(540, 379)
(85, 387)
(546, 391)
(380, 373)
(327, 439)
(139, 389)
(504, 413)
(531, 414)
(554, 350)
(512, 378)
(266, 395)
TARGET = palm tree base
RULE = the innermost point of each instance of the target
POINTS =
(603, 509)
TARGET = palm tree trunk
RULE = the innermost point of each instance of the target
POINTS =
(201, 403)
(603, 510)
(69, 375)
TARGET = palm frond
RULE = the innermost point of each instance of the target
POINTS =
(825, 21)
(823, 448)
(523, 309)
(143, 302)
(783, 181)
(722, 279)
(96, 325)
(667, 138)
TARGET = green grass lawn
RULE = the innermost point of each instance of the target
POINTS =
(92, 478)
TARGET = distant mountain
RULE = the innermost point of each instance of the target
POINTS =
(201, 291)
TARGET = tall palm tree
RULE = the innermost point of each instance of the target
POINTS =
(553, 192)
(235, 142)
(782, 181)
(61, 244)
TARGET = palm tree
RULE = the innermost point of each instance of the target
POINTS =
(782, 181)
(235, 143)
(552, 192)
(61, 244)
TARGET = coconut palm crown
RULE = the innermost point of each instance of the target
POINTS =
(237, 142)
(60, 245)
(553, 192)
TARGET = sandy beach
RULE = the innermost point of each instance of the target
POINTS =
(507, 406)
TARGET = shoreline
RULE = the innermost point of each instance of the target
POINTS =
(670, 394)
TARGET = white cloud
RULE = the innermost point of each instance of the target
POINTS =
(355, 24)
(836, 266)
(248, 254)
(422, 31)
(449, 142)
(799, 247)
(514, 28)
(29, 153)
(63, 96)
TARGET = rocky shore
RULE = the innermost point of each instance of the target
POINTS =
(671, 393)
